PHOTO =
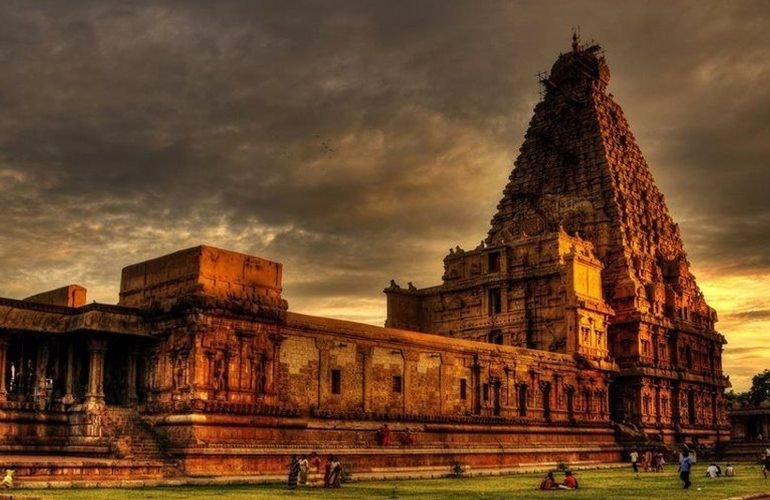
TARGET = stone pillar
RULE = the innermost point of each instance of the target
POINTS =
(274, 358)
(476, 386)
(69, 381)
(95, 393)
(41, 366)
(410, 360)
(442, 381)
(131, 374)
(3, 353)
(324, 349)
(366, 369)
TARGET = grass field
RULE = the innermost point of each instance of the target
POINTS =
(594, 485)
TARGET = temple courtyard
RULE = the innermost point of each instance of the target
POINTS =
(617, 483)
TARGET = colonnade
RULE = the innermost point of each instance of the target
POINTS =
(95, 389)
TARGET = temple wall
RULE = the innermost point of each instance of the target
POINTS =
(314, 364)
(465, 398)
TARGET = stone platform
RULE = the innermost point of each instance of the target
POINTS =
(65, 471)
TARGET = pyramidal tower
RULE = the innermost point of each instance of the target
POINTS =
(583, 257)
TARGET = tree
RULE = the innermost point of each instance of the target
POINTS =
(733, 397)
(760, 388)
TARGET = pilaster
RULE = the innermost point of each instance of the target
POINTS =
(3, 354)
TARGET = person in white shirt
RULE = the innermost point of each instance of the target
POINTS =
(635, 462)
(712, 471)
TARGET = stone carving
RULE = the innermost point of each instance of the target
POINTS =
(220, 372)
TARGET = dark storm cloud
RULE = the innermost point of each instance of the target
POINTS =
(353, 141)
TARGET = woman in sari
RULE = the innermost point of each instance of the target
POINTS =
(336, 473)
(293, 472)
(328, 472)
(304, 467)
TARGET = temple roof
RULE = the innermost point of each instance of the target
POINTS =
(22, 316)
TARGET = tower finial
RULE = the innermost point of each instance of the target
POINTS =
(575, 39)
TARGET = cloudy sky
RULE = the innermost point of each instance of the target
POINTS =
(357, 141)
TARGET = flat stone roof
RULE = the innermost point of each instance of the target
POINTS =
(19, 315)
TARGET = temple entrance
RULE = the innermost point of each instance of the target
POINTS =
(116, 386)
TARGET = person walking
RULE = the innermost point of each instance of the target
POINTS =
(635, 462)
(293, 472)
(304, 467)
(766, 465)
(328, 472)
(684, 469)
(335, 479)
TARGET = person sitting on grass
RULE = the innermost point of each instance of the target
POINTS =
(712, 471)
(729, 471)
(8, 479)
(570, 481)
(548, 483)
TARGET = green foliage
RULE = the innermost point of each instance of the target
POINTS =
(760, 388)
(594, 485)
(732, 396)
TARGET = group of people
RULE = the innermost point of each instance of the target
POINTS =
(649, 461)
(714, 471)
(549, 483)
(299, 470)
(385, 436)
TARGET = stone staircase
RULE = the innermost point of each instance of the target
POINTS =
(135, 440)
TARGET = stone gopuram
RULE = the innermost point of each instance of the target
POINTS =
(575, 318)
(584, 258)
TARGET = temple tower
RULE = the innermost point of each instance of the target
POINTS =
(583, 256)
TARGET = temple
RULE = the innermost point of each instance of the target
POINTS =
(574, 328)
(583, 258)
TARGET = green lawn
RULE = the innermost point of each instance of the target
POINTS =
(594, 484)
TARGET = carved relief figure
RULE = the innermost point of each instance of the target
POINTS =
(220, 373)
